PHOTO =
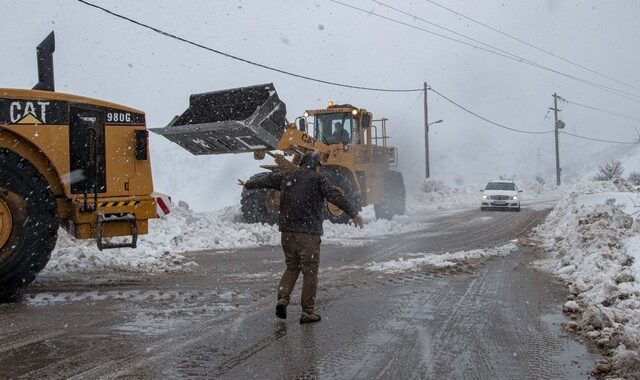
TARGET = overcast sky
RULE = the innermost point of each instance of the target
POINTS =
(106, 58)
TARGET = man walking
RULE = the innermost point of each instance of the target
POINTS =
(303, 192)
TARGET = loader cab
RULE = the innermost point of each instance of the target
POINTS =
(342, 124)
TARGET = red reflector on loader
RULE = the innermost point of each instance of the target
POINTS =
(162, 204)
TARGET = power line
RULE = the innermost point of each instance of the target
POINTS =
(496, 51)
(599, 140)
(485, 119)
(170, 35)
(513, 56)
(281, 71)
(443, 28)
(534, 46)
(523, 131)
(612, 113)
(488, 50)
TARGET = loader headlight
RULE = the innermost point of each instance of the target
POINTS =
(515, 197)
(485, 197)
(355, 112)
(305, 114)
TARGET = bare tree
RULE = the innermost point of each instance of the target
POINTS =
(634, 178)
(609, 171)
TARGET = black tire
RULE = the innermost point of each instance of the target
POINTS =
(482, 208)
(339, 179)
(394, 199)
(258, 205)
(34, 223)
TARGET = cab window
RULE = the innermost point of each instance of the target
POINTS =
(336, 128)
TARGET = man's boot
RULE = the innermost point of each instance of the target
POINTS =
(281, 309)
(309, 318)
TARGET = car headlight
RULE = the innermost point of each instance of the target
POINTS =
(484, 197)
(515, 197)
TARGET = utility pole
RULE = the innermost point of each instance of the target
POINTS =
(426, 133)
(557, 134)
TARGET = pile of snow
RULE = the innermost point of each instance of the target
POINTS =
(73, 255)
(593, 243)
(181, 231)
(432, 194)
(539, 190)
(437, 260)
(184, 230)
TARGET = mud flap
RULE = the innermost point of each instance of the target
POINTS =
(238, 120)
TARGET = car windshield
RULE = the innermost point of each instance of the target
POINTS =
(501, 186)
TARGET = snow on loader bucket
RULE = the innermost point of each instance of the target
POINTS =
(238, 120)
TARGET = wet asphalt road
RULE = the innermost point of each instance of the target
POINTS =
(486, 319)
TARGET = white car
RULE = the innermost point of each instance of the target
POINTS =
(504, 195)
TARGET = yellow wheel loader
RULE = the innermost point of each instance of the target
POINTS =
(352, 144)
(67, 160)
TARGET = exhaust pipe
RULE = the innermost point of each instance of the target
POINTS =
(45, 63)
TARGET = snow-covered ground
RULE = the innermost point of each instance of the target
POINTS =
(418, 261)
(592, 242)
(185, 230)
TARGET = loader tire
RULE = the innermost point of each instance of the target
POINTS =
(348, 189)
(260, 205)
(394, 199)
(28, 223)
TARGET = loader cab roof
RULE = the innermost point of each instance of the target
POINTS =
(24, 94)
(336, 109)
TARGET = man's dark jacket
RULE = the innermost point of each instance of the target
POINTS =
(302, 199)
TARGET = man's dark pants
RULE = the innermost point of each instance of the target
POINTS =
(302, 254)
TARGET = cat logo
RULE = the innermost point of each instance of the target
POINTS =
(28, 112)
(308, 140)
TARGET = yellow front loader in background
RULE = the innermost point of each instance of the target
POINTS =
(352, 144)
(67, 160)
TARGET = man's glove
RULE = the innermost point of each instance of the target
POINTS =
(241, 182)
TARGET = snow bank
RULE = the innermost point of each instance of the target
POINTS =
(432, 194)
(160, 251)
(593, 243)
(184, 230)
(437, 260)
(73, 255)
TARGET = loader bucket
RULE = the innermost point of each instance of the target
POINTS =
(238, 120)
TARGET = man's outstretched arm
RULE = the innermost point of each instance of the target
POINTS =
(267, 181)
(332, 194)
